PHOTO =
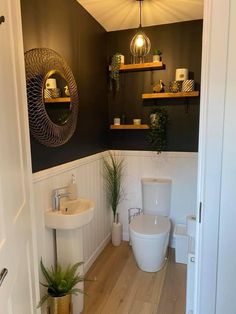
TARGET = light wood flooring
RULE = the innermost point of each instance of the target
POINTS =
(122, 288)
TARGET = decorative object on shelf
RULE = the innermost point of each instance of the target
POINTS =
(137, 121)
(60, 284)
(116, 121)
(113, 175)
(181, 74)
(158, 127)
(175, 86)
(47, 93)
(52, 131)
(156, 55)
(188, 86)
(140, 44)
(66, 90)
(159, 87)
(115, 71)
(55, 92)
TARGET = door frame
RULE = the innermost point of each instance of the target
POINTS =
(212, 106)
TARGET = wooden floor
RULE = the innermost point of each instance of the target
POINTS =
(121, 287)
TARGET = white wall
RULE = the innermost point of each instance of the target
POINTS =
(180, 167)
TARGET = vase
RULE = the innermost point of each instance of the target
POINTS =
(60, 305)
(116, 233)
(156, 58)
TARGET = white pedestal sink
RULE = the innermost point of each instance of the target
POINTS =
(68, 223)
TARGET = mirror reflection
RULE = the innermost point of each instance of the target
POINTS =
(57, 98)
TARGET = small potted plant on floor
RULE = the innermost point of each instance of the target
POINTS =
(113, 173)
(60, 284)
(156, 55)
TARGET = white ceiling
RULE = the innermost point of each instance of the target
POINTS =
(124, 14)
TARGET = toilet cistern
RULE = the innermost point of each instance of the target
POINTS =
(56, 197)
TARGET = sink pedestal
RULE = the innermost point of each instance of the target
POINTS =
(70, 251)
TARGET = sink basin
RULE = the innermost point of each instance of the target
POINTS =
(73, 214)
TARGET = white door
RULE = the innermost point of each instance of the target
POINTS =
(216, 250)
(17, 291)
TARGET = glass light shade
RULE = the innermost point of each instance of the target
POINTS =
(140, 44)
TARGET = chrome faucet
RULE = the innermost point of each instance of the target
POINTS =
(56, 197)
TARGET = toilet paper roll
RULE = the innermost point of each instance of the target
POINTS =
(51, 83)
(191, 225)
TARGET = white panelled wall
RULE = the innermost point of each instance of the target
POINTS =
(181, 167)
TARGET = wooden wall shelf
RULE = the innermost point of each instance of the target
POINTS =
(56, 100)
(129, 127)
(170, 95)
(141, 66)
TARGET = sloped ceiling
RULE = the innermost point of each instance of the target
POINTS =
(124, 14)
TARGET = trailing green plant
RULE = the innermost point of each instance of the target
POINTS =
(157, 134)
(113, 173)
(115, 71)
(60, 282)
(157, 52)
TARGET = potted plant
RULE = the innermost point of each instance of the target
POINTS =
(116, 61)
(156, 55)
(113, 173)
(158, 129)
(60, 284)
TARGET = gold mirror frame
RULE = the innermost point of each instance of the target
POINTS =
(39, 62)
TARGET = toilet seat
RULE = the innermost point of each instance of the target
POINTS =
(149, 226)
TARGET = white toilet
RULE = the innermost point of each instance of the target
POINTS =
(150, 231)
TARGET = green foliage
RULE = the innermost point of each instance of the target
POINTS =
(113, 173)
(158, 129)
(60, 282)
(115, 71)
(157, 52)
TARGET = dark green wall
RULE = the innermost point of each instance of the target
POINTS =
(63, 25)
(181, 44)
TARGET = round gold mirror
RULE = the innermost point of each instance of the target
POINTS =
(52, 97)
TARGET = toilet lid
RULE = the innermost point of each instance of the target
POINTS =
(149, 225)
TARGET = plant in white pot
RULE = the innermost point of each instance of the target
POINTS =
(60, 284)
(113, 174)
(156, 55)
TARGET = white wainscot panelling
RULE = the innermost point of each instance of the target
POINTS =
(89, 179)
(180, 167)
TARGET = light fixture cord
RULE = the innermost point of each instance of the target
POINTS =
(140, 13)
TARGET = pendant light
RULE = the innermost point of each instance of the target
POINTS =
(140, 45)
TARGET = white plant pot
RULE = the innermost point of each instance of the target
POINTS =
(116, 233)
(122, 59)
(156, 58)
